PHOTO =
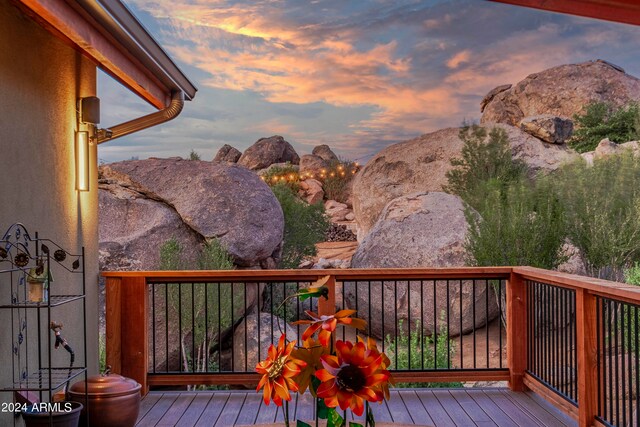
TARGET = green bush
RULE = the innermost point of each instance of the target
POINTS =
(337, 181)
(422, 353)
(601, 120)
(171, 255)
(485, 158)
(304, 226)
(282, 175)
(522, 224)
(602, 207)
(632, 275)
(194, 155)
(187, 302)
(215, 257)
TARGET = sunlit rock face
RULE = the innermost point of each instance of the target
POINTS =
(267, 151)
(421, 164)
(191, 201)
(561, 91)
(420, 230)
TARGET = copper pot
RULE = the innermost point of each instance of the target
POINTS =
(113, 400)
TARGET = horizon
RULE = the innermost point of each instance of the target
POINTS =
(358, 76)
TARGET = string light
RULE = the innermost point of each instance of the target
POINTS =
(340, 171)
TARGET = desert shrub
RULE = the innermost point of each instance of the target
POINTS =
(602, 206)
(522, 224)
(422, 353)
(171, 255)
(187, 302)
(282, 175)
(304, 226)
(601, 120)
(486, 157)
(336, 183)
(631, 315)
(194, 155)
(632, 275)
(215, 257)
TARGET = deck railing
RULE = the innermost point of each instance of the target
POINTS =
(571, 339)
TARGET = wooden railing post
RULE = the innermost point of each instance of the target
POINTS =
(328, 306)
(516, 331)
(126, 327)
(113, 325)
(587, 350)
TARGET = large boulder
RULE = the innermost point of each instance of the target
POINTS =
(215, 200)
(267, 151)
(131, 223)
(312, 165)
(607, 148)
(561, 91)
(258, 337)
(421, 164)
(420, 230)
(227, 153)
(325, 153)
(311, 191)
(548, 128)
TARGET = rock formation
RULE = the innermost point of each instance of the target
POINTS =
(421, 230)
(311, 165)
(560, 91)
(267, 151)
(325, 153)
(131, 222)
(248, 329)
(206, 200)
(311, 191)
(227, 154)
(548, 128)
(421, 164)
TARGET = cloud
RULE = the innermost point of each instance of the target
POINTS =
(459, 58)
(361, 74)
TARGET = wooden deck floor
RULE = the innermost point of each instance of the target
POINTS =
(430, 407)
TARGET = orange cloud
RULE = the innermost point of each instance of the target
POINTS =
(459, 58)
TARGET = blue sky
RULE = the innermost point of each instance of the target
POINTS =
(357, 75)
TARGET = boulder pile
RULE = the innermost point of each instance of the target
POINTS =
(191, 201)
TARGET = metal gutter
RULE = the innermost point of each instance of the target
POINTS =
(118, 21)
(122, 25)
(144, 122)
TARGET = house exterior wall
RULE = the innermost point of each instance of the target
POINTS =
(41, 79)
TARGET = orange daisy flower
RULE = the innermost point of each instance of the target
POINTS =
(354, 375)
(328, 324)
(277, 371)
(371, 344)
(310, 352)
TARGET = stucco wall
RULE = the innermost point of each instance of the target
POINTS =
(41, 79)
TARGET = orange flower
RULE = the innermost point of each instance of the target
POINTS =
(371, 344)
(328, 324)
(277, 371)
(311, 352)
(354, 375)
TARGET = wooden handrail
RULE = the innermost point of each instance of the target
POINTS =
(127, 316)
(600, 287)
(339, 274)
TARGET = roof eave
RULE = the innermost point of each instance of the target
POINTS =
(116, 42)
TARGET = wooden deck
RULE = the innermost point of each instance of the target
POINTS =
(431, 407)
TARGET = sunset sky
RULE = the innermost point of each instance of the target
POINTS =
(357, 75)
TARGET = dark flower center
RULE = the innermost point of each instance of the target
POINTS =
(350, 378)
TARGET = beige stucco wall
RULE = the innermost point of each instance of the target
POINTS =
(40, 80)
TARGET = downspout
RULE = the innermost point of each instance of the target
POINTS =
(171, 111)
